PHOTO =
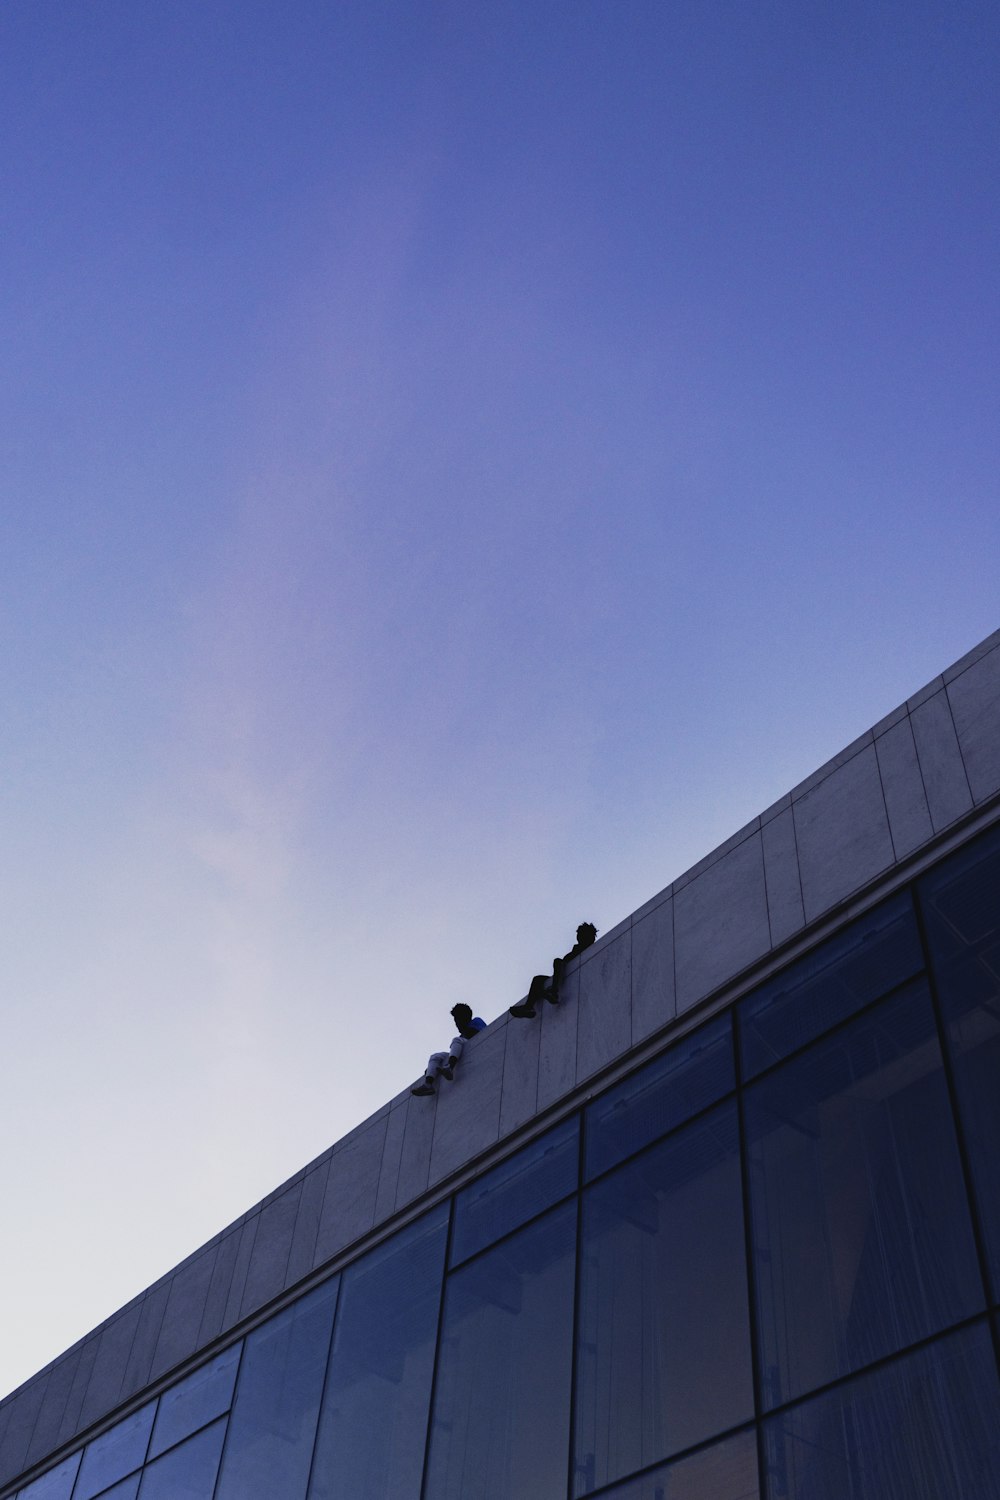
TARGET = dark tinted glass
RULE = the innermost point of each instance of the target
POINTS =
(861, 1231)
(57, 1484)
(191, 1404)
(187, 1472)
(726, 1471)
(273, 1423)
(666, 1092)
(127, 1489)
(961, 907)
(500, 1427)
(663, 1346)
(516, 1190)
(373, 1427)
(871, 957)
(926, 1427)
(115, 1453)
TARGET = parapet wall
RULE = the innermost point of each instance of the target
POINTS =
(923, 772)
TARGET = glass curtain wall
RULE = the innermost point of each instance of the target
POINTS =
(764, 1266)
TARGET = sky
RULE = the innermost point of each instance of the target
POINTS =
(458, 463)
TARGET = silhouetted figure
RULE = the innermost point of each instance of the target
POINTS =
(544, 988)
(443, 1064)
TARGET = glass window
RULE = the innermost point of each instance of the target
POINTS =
(666, 1092)
(115, 1453)
(57, 1484)
(501, 1410)
(926, 1427)
(516, 1190)
(273, 1422)
(871, 957)
(128, 1489)
(373, 1427)
(194, 1401)
(861, 1233)
(189, 1471)
(726, 1471)
(961, 906)
(664, 1342)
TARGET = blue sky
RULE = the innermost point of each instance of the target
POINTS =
(459, 463)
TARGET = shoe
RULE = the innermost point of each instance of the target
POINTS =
(524, 1011)
(422, 1088)
(448, 1072)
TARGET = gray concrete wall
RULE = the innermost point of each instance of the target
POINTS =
(921, 770)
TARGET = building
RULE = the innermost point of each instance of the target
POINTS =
(723, 1225)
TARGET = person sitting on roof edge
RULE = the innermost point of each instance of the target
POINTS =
(544, 988)
(444, 1063)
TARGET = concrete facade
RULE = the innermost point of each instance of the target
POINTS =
(927, 771)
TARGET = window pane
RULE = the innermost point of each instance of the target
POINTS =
(56, 1484)
(191, 1404)
(115, 1454)
(128, 1489)
(373, 1427)
(500, 1429)
(188, 1472)
(961, 905)
(726, 1472)
(861, 1231)
(925, 1427)
(874, 955)
(664, 1343)
(666, 1092)
(273, 1422)
(516, 1190)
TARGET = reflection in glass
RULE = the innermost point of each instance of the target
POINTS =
(273, 1422)
(500, 1427)
(128, 1489)
(861, 1233)
(961, 906)
(926, 1427)
(667, 1091)
(115, 1453)
(373, 1426)
(57, 1484)
(187, 1472)
(516, 1190)
(194, 1401)
(726, 1471)
(664, 1343)
(874, 955)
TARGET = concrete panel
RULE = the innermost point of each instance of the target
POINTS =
(840, 759)
(604, 1028)
(70, 1424)
(941, 765)
(241, 1267)
(271, 1246)
(349, 1201)
(654, 996)
(114, 1347)
(520, 1074)
(975, 703)
(302, 1254)
(785, 912)
(45, 1436)
(178, 1336)
(842, 834)
(392, 1151)
(720, 922)
(24, 1410)
(930, 690)
(140, 1358)
(903, 789)
(991, 643)
(415, 1157)
(716, 854)
(557, 1042)
(468, 1112)
(212, 1322)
